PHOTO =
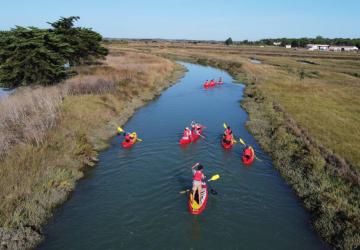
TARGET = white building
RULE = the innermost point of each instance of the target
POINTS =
(343, 48)
(277, 43)
(288, 46)
(317, 47)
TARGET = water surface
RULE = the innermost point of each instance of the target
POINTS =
(131, 199)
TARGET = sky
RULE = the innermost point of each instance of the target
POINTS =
(193, 19)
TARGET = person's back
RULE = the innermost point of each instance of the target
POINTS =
(198, 177)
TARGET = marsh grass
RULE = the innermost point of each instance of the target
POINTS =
(309, 125)
(50, 135)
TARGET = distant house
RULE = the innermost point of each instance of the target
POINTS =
(343, 48)
(288, 46)
(277, 43)
(323, 47)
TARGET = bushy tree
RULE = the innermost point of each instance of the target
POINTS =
(84, 43)
(229, 41)
(27, 57)
(38, 56)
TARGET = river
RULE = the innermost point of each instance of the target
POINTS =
(131, 199)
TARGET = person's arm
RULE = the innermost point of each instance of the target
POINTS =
(195, 165)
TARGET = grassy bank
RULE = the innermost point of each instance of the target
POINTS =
(304, 111)
(51, 135)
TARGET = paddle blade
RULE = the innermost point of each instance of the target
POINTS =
(241, 141)
(214, 177)
(139, 140)
(120, 130)
(184, 191)
(225, 126)
(213, 191)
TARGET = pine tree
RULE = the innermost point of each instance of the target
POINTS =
(84, 43)
(27, 57)
(38, 56)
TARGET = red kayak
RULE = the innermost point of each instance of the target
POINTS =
(194, 204)
(194, 137)
(130, 143)
(225, 145)
(248, 155)
(219, 83)
(185, 140)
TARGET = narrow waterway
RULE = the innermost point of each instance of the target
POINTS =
(131, 199)
(4, 92)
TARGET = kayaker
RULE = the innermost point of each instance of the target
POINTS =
(206, 83)
(227, 138)
(196, 127)
(247, 152)
(212, 82)
(128, 137)
(187, 133)
(198, 177)
(228, 131)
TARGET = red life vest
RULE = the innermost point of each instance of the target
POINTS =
(228, 137)
(197, 175)
(228, 131)
(127, 138)
(187, 133)
(247, 152)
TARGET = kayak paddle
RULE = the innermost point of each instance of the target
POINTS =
(242, 142)
(120, 130)
(214, 178)
(184, 191)
(233, 140)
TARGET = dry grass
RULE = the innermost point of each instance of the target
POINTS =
(48, 135)
(307, 117)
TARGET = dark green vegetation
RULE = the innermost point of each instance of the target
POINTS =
(306, 116)
(302, 42)
(39, 56)
(229, 41)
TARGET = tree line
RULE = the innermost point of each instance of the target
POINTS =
(302, 42)
(30, 55)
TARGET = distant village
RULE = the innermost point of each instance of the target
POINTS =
(323, 47)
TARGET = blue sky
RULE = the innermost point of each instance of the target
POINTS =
(193, 19)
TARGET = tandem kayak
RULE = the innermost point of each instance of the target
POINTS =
(194, 137)
(193, 205)
(130, 143)
(248, 155)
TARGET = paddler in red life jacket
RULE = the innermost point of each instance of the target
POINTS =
(198, 177)
(128, 137)
(206, 83)
(212, 82)
(228, 135)
(196, 127)
(187, 133)
(247, 152)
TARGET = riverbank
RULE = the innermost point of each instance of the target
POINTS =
(59, 131)
(306, 118)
